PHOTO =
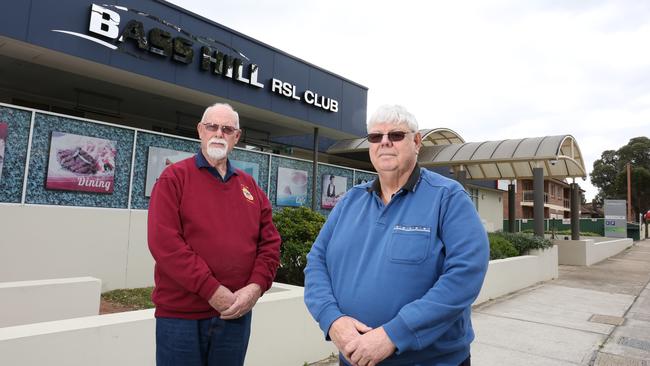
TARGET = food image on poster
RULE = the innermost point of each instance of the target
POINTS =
(4, 131)
(291, 187)
(81, 163)
(333, 188)
(159, 158)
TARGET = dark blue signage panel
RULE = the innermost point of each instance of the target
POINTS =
(164, 42)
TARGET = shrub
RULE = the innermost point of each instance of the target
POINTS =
(563, 232)
(298, 228)
(500, 247)
(525, 242)
(582, 233)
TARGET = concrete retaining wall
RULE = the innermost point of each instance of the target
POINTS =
(109, 244)
(26, 302)
(511, 274)
(283, 333)
(585, 252)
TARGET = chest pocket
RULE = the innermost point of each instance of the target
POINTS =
(409, 244)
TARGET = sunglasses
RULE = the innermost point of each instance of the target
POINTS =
(212, 127)
(393, 136)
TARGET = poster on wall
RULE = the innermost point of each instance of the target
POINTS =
(332, 190)
(252, 169)
(4, 131)
(291, 187)
(81, 163)
(159, 158)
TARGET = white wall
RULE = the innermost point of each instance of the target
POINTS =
(102, 340)
(511, 274)
(283, 333)
(490, 208)
(26, 302)
(40, 242)
(573, 252)
(140, 263)
(586, 252)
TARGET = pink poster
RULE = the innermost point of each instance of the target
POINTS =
(333, 189)
(81, 163)
(4, 130)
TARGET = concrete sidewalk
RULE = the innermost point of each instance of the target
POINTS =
(597, 315)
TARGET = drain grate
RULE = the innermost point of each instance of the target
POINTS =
(607, 319)
(634, 343)
(606, 359)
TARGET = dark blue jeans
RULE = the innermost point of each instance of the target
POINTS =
(204, 342)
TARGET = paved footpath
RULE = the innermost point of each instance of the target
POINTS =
(596, 316)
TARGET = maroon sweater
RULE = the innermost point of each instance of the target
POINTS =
(204, 233)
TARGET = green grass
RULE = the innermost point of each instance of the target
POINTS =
(135, 298)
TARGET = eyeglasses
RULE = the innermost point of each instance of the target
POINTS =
(213, 127)
(393, 136)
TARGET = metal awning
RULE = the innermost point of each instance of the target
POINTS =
(440, 136)
(559, 156)
(430, 137)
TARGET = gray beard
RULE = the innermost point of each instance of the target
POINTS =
(217, 153)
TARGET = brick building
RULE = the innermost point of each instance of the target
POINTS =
(557, 203)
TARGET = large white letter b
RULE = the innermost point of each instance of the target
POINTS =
(104, 22)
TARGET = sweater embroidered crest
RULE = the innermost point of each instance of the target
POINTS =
(247, 193)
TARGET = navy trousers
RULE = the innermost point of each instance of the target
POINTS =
(204, 342)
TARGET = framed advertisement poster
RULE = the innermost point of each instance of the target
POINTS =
(158, 159)
(4, 131)
(252, 169)
(291, 187)
(81, 163)
(333, 188)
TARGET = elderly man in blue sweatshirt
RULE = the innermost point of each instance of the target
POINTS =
(394, 271)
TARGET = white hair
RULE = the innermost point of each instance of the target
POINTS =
(394, 114)
(224, 105)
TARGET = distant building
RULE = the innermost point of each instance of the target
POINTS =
(591, 211)
(557, 199)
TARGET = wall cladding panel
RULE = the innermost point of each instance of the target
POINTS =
(12, 175)
(44, 125)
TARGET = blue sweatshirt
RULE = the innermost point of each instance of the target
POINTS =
(413, 266)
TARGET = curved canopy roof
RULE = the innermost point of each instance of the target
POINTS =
(430, 137)
(440, 136)
(559, 156)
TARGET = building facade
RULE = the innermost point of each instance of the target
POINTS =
(124, 86)
(557, 203)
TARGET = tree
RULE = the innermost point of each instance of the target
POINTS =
(610, 174)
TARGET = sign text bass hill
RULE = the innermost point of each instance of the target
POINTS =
(105, 22)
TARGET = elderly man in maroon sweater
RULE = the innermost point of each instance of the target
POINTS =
(211, 233)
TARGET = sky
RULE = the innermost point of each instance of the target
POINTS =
(489, 70)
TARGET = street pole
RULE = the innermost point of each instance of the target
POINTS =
(314, 171)
(538, 201)
(630, 218)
